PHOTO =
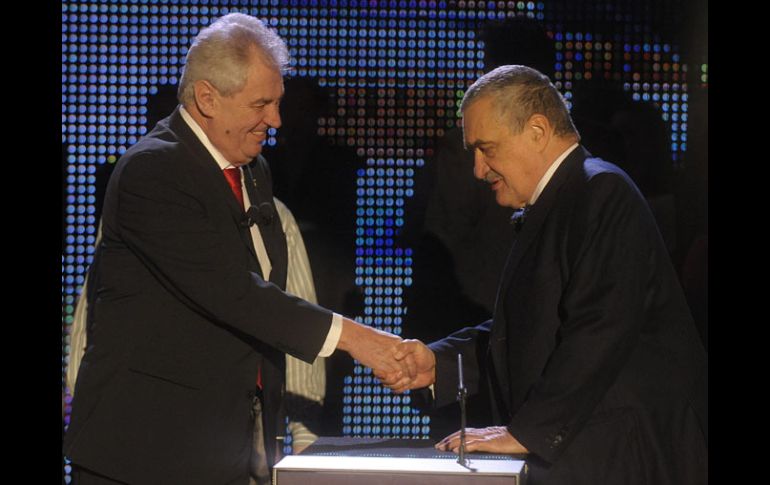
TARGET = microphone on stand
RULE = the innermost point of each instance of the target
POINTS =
(462, 393)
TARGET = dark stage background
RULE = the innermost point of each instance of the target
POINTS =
(369, 157)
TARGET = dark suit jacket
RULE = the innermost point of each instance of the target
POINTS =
(591, 356)
(182, 318)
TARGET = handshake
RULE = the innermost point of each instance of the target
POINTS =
(399, 364)
(409, 364)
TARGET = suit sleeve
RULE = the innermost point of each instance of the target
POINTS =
(601, 312)
(161, 219)
(472, 343)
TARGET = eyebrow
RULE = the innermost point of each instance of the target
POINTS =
(266, 100)
(476, 144)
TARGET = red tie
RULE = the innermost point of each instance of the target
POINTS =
(233, 176)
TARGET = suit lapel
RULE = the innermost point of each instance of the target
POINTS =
(521, 242)
(272, 233)
(537, 215)
(214, 180)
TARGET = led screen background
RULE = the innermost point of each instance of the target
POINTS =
(395, 72)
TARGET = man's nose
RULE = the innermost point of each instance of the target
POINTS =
(480, 167)
(273, 117)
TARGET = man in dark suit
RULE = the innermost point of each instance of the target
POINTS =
(592, 359)
(190, 317)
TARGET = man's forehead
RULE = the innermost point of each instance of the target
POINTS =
(474, 122)
(473, 139)
(264, 81)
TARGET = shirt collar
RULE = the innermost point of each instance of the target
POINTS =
(549, 173)
(195, 127)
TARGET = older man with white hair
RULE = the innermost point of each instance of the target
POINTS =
(191, 321)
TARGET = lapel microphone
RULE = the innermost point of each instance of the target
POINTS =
(519, 216)
(261, 214)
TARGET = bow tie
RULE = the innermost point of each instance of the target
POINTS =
(519, 216)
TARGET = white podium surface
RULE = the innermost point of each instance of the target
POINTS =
(411, 465)
(342, 466)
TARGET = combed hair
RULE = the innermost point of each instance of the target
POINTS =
(221, 54)
(518, 93)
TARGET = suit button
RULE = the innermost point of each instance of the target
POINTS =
(557, 440)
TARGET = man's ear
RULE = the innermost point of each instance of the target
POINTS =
(540, 130)
(206, 98)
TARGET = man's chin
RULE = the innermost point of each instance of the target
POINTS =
(254, 153)
(502, 201)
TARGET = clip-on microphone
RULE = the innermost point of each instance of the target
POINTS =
(261, 214)
(462, 393)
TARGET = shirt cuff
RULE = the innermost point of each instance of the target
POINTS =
(333, 337)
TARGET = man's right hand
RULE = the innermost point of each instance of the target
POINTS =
(420, 362)
(372, 348)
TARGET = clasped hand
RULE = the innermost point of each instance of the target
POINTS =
(375, 349)
(419, 364)
(399, 364)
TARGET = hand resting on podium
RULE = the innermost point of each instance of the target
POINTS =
(421, 364)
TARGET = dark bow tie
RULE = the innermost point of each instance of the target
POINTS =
(519, 216)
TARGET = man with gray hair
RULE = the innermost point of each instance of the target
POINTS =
(190, 319)
(595, 371)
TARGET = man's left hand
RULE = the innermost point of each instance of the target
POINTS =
(493, 439)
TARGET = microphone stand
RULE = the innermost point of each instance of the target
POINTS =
(462, 393)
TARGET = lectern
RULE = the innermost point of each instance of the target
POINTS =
(377, 461)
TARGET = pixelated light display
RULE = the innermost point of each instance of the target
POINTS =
(383, 270)
(397, 70)
(650, 71)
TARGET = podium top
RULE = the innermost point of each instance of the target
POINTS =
(344, 454)
(390, 447)
(392, 464)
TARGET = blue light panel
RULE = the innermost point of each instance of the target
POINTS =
(398, 70)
